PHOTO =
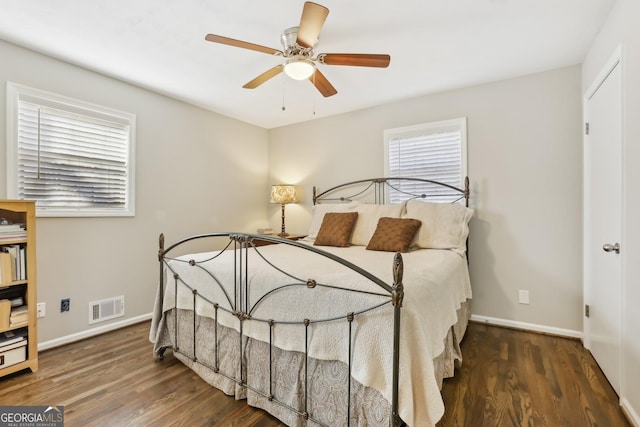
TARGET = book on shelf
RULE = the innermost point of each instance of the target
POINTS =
(13, 263)
(10, 227)
(12, 231)
(19, 310)
(5, 313)
(11, 337)
(19, 315)
(7, 267)
(18, 323)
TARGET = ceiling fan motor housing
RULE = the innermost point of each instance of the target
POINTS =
(291, 48)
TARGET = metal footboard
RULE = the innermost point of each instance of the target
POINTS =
(243, 303)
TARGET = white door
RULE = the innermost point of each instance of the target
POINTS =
(603, 222)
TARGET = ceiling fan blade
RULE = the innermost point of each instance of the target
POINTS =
(355, 59)
(322, 84)
(239, 43)
(311, 22)
(264, 77)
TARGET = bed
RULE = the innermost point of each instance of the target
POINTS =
(357, 324)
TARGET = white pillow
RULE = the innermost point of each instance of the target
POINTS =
(444, 225)
(368, 216)
(320, 209)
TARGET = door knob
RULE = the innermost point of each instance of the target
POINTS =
(608, 247)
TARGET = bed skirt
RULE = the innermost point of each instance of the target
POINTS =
(327, 399)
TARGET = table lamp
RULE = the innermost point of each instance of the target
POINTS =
(283, 194)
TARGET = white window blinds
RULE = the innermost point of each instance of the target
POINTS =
(72, 161)
(433, 151)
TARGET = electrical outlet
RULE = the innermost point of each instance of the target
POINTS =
(523, 297)
(42, 309)
(65, 305)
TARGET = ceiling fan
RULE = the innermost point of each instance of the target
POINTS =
(298, 48)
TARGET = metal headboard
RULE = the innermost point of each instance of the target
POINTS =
(378, 188)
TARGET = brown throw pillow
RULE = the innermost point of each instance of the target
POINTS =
(394, 234)
(336, 229)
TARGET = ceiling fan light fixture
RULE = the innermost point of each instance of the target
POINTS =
(299, 69)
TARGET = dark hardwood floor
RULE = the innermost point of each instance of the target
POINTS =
(517, 378)
(508, 378)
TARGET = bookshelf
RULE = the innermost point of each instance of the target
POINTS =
(18, 301)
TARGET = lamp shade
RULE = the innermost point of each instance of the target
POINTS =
(283, 194)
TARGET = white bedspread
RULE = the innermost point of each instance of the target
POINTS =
(436, 283)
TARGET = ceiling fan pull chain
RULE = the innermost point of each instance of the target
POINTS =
(314, 95)
(283, 107)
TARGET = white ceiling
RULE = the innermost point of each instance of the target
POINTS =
(435, 45)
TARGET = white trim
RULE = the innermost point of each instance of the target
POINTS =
(631, 414)
(586, 221)
(623, 228)
(57, 342)
(12, 132)
(569, 333)
(607, 68)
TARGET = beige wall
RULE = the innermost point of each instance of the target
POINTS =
(196, 171)
(622, 29)
(525, 166)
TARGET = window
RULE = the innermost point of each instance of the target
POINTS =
(435, 151)
(74, 158)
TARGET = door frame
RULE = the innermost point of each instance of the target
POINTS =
(616, 59)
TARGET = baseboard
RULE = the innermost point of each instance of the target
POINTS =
(631, 414)
(46, 345)
(528, 326)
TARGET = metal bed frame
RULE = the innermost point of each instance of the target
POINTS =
(240, 306)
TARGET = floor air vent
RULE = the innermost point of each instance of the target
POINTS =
(106, 309)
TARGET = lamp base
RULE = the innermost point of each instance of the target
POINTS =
(283, 233)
